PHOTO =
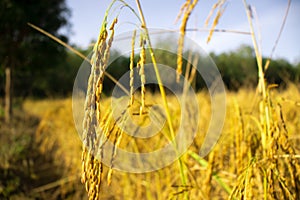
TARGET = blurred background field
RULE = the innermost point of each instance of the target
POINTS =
(40, 148)
(41, 152)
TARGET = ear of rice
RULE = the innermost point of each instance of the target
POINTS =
(141, 64)
(131, 69)
(221, 8)
(91, 167)
(183, 25)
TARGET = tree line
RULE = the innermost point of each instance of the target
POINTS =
(238, 69)
(55, 79)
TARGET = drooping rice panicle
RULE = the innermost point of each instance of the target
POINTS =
(187, 12)
(221, 8)
(131, 84)
(141, 65)
(92, 167)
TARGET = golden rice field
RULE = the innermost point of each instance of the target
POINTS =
(236, 168)
(257, 155)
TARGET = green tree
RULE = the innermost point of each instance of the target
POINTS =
(281, 72)
(297, 80)
(238, 68)
(25, 53)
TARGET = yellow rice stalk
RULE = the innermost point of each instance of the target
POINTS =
(211, 12)
(117, 142)
(182, 9)
(131, 69)
(163, 95)
(140, 66)
(220, 5)
(215, 22)
(91, 167)
(187, 12)
(209, 174)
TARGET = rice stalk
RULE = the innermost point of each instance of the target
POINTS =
(221, 8)
(274, 137)
(187, 74)
(209, 174)
(116, 142)
(293, 165)
(193, 74)
(240, 143)
(163, 95)
(160, 84)
(264, 104)
(131, 84)
(279, 34)
(140, 66)
(248, 192)
(181, 11)
(211, 12)
(202, 162)
(188, 8)
(92, 168)
(242, 183)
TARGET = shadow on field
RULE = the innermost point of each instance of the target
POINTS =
(27, 172)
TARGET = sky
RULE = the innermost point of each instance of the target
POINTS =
(86, 18)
